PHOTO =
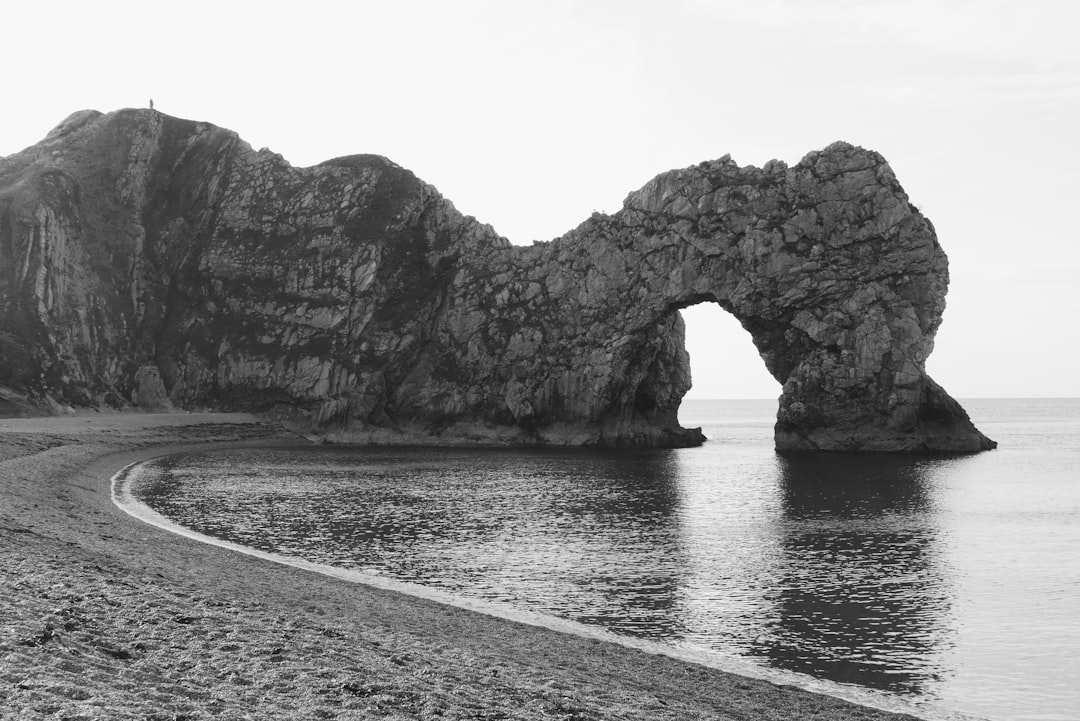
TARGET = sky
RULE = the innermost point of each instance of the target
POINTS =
(530, 115)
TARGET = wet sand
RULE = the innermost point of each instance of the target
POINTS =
(107, 617)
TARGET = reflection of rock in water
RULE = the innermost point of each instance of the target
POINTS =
(862, 598)
(585, 534)
(622, 540)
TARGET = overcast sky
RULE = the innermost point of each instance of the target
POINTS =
(531, 115)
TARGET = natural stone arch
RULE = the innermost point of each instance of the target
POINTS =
(839, 280)
(355, 302)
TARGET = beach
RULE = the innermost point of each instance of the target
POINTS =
(104, 616)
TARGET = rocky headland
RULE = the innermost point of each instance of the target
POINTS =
(153, 262)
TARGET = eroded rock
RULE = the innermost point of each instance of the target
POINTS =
(353, 300)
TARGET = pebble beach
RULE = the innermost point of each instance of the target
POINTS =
(103, 616)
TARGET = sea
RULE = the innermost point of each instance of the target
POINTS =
(946, 586)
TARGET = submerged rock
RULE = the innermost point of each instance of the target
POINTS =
(146, 259)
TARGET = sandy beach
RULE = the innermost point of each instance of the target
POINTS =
(107, 617)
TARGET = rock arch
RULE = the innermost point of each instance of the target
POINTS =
(354, 301)
(839, 280)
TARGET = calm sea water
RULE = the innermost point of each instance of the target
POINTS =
(953, 583)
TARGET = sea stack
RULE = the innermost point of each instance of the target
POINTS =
(151, 260)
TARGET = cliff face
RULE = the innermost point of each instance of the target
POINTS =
(152, 261)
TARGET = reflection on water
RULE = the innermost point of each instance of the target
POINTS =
(590, 534)
(824, 566)
(891, 573)
(862, 597)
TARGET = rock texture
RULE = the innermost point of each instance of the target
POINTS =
(155, 261)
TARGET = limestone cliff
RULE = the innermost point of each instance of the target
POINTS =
(153, 261)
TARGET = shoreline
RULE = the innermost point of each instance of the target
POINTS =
(113, 617)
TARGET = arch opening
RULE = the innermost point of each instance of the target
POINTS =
(724, 363)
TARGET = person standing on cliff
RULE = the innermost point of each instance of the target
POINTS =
(151, 103)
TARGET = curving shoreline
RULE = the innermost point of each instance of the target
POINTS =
(109, 617)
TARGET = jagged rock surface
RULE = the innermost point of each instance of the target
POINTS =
(153, 261)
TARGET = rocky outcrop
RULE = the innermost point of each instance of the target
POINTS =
(147, 259)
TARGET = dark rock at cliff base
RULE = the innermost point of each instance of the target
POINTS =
(155, 261)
